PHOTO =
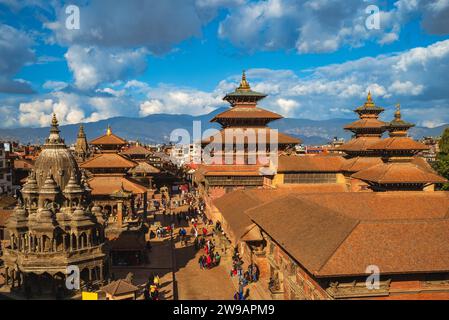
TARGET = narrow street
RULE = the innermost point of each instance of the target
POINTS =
(192, 282)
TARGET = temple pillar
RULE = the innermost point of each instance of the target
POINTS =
(120, 213)
(7, 275)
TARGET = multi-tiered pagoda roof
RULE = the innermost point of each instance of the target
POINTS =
(244, 114)
(367, 130)
(244, 110)
(398, 170)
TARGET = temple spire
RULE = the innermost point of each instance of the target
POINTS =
(399, 127)
(81, 133)
(54, 131)
(109, 130)
(244, 85)
(397, 114)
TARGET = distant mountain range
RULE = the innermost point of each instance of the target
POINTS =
(158, 127)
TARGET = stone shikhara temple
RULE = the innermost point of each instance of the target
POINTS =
(54, 225)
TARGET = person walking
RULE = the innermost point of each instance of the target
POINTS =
(156, 281)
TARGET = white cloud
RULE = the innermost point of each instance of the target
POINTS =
(54, 85)
(321, 93)
(172, 100)
(287, 105)
(406, 88)
(306, 26)
(15, 52)
(92, 66)
(154, 24)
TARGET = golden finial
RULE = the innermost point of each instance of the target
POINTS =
(397, 114)
(369, 98)
(244, 85)
(109, 131)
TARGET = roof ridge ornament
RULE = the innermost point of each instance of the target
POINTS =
(109, 130)
(397, 114)
(244, 84)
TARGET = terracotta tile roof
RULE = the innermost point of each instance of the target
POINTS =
(229, 170)
(335, 235)
(366, 123)
(281, 137)
(106, 139)
(247, 113)
(136, 150)
(233, 205)
(395, 247)
(360, 163)
(421, 162)
(308, 232)
(108, 160)
(312, 188)
(310, 163)
(143, 167)
(384, 205)
(107, 185)
(359, 144)
(398, 143)
(119, 287)
(397, 172)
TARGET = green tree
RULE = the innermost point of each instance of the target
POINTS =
(442, 163)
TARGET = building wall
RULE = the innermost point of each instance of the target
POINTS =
(5, 171)
(297, 283)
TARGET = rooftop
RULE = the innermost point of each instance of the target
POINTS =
(108, 139)
(310, 163)
(398, 172)
(136, 150)
(108, 160)
(341, 234)
(119, 287)
(107, 185)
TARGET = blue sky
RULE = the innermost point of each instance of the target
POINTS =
(315, 58)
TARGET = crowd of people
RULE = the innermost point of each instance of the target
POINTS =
(194, 217)
(210, 258)
(244, 277)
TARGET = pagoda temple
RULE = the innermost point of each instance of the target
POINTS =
(109, 176)
(108, 142)
(54, 225)
(367, 130)
(243, 121)
(398, 172)
(121, 198)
